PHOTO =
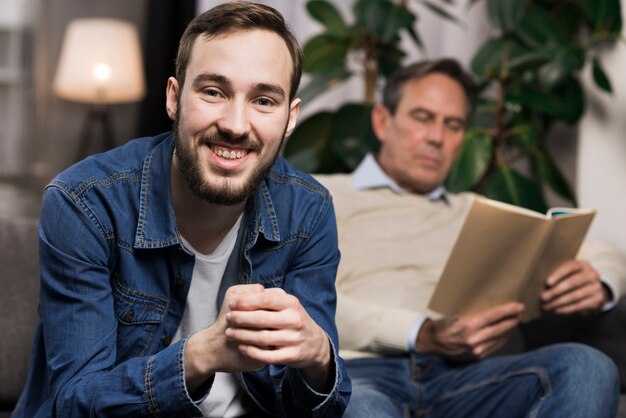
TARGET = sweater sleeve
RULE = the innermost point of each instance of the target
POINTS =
(373, 328)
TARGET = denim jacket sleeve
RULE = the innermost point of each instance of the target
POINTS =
(311, 278)
(80, 327)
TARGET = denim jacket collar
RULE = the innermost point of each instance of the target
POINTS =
(156, 226)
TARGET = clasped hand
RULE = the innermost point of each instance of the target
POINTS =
(257, 327)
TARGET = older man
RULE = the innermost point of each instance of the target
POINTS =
(397, 225)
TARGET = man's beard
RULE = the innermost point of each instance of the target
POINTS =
(221, 194)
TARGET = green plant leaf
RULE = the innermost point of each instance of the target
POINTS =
(490, 58)
(529, 59)
(506, 14)
(604, 15)
(320, 82)
(551, 175)
(397, 18)
(323, 52)
(389, 59)
(600, 77)
(565, 62)
(324, 12)
(567, 19)
(523, 137)
(512, 187)
(383, 18)
(537, 28)
(369, 14)
(415, 36)
(568, 103)
(441, 12)
(352, 136)
(308, 146)
(473, 160)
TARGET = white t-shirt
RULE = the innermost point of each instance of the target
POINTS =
(226, 395)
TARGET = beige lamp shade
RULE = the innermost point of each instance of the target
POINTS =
(100, 62)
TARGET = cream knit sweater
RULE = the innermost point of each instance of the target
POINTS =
(393, 249)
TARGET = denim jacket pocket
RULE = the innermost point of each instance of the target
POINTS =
(139, 316)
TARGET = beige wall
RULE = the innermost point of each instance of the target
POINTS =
(602, 151)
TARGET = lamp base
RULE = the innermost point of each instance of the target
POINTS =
(97, 130)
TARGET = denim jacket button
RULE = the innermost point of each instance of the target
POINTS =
(167, 340)
(179, 282)
(129, 316)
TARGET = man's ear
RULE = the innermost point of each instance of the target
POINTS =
(380, 119)
(171, 97)
(294, 110)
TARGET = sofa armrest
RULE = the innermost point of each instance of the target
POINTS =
(19, 296)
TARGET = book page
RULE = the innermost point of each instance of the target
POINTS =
(566, 236)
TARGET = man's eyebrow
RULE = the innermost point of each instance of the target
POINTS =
(204, 77)
(270, 88)
(224, 81)
(459, 119)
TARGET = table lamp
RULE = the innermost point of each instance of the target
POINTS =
(100, 64)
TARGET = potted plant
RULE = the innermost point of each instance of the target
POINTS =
(528, 72)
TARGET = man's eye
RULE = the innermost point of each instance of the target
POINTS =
(422, 117)
(455, 126)
(263, 101)
(212, 93)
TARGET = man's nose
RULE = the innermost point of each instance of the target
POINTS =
(437, 133)
(234, 120)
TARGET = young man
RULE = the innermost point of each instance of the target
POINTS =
(397, 226)
(192, 273)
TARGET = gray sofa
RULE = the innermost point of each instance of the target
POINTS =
(19, 295)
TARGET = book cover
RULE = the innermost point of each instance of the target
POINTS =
(505, 253)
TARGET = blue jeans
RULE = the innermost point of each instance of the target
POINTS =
(564, 380)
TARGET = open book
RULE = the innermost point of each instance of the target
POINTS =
(505, 253)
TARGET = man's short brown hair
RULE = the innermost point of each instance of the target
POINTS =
(392, 93)
(239, 16)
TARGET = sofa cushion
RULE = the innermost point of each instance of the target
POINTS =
(19, 296)
(606, 332)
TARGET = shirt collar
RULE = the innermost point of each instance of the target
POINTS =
(156, 226)
(369, 175)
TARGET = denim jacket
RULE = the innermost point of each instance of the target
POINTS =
(115, 277)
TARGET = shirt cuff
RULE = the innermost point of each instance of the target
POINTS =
(305, 394)
(165, 390)
(414, 332)
(613, 301)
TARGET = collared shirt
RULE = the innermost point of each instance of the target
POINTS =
(369, 175)
(115, 278)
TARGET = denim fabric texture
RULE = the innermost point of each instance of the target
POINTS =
(115, 277)
(558, 381)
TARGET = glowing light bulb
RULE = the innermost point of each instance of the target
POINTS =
(101, 71)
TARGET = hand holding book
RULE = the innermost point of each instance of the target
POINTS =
(574, 287)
